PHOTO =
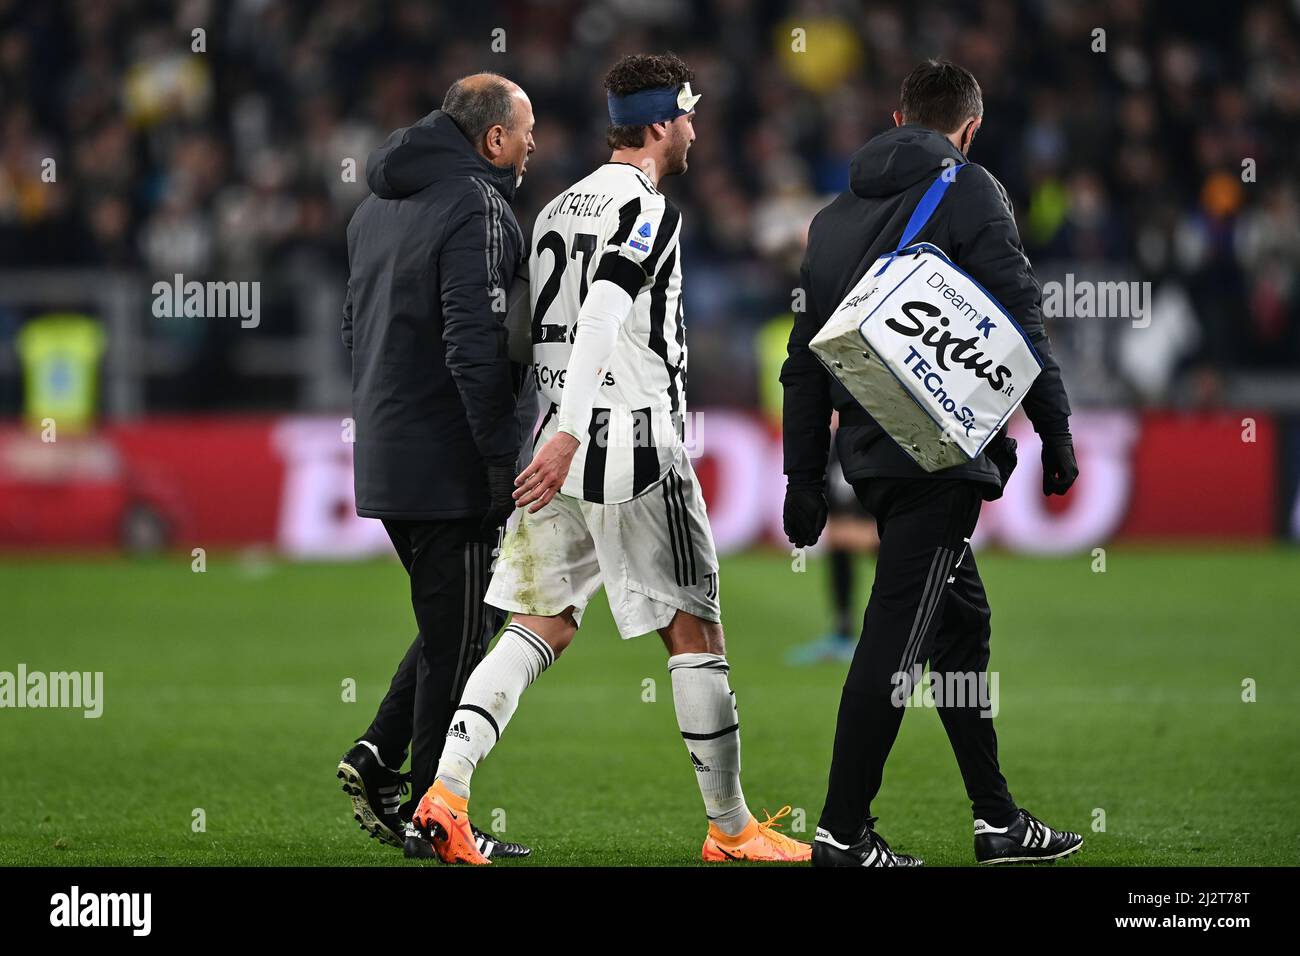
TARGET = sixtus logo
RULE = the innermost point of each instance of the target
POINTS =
(76, 690)
(208, 300)
(857, 300)
(948, 347)
(75, 908)
(949, 689)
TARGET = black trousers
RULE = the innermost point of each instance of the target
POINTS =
(449, 563)
(927, 604)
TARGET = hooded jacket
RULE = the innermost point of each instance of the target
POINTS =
(975, 226)
(432, 254)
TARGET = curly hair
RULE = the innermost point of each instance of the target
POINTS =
(636, 72)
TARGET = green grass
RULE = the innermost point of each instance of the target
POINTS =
(1119, 691)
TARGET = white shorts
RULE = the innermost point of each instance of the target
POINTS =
(654, 554)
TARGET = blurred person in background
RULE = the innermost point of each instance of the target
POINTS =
(224, 149)
(439, 410)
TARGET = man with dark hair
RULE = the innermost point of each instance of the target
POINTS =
(611, 497)
(927, 602)
(942, 96)
(635, 74)
(439, 409)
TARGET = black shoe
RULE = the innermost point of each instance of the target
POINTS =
(491, 847)
(1027, 840)
(417, 845)
(488, 845)
(376, 794)
(869, 850)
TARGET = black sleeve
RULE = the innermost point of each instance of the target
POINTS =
(806, 406)
(478, 258)
(986, 243)
(629, 266)
(347, 318)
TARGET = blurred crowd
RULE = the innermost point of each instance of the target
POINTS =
(1159, 150)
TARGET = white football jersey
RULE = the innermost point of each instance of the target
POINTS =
(613, 225)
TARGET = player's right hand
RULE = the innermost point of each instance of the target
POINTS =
(542, 479)
(805, 512)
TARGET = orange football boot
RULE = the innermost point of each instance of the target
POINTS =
(444, 818)
(758, 841)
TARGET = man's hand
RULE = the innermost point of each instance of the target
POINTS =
(500, 481)
(545, 474)
(1059, 467)
(805, 513)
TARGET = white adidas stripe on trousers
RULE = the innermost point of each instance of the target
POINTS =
(942, 566)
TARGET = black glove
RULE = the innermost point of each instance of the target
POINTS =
(1059, 467)
(805, 513)
(501, 502)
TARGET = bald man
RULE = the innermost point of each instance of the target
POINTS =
(440, 410)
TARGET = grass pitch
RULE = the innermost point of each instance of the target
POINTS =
(1121, 694)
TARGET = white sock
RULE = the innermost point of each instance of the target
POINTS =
(491, 696)
(710, 726)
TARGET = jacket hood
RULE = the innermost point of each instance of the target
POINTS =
(430, 151)
(898, 159)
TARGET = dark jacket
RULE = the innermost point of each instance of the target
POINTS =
(433, 389)
(974, 225)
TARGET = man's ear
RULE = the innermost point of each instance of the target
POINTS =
(968, 134)
(494, 141)
(898, 118)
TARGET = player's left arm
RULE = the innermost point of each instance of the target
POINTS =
(636, 247)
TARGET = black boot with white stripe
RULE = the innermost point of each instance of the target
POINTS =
(1027, 840)
(492, 848)
(417, 846)
(870, 849)
(376, 793)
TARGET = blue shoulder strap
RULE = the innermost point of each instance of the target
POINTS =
(926, 207)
